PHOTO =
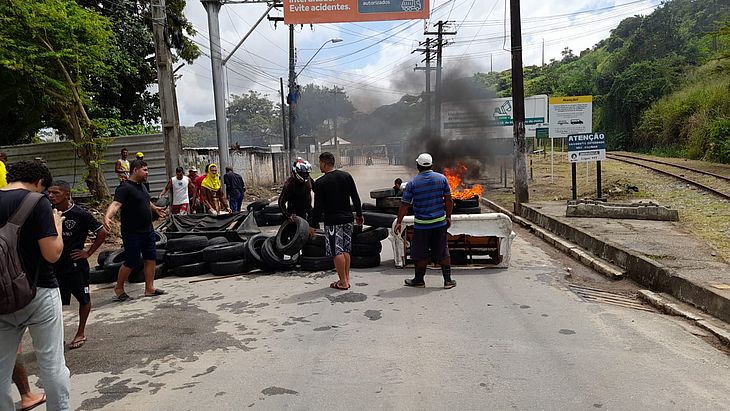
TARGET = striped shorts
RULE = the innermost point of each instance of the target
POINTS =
(338, 239)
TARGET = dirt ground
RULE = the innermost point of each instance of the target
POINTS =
(704, 215)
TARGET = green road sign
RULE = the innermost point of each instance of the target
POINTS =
(542, 133)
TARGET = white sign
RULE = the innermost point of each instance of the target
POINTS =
(490, 118)
(586, 147)
(570, 115)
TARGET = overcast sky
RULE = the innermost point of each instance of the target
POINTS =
(374, 63)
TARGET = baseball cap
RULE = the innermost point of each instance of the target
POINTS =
(139, 154)
(424, 160)
(193, 169)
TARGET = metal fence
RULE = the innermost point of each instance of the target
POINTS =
(65, 164)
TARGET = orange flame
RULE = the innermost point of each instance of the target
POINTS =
(455, 176)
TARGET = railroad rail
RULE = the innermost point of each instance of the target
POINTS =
(642, 162)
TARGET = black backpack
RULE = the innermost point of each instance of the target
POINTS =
(16, 291)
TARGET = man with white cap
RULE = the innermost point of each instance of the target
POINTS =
(430, 195)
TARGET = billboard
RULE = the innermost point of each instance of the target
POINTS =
(342, 11)
(570, 115)
(490, 118)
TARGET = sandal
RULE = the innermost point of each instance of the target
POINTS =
(158, 291)
(77, 343)
(336, 285)
(122, 297)
(30, 407)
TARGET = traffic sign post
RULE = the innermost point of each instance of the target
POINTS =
(583, 148)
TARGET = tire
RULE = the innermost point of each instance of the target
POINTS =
(365, 261)
(473, 202)
(191, 270)
(101, 276)
(175, 260)
(382, 193)
(316, 263)
(274, 219)
(275, 260)
(318, 239)
(272, 209)
(102, 257)
(160, 271)
(161, 241)
(378, 219)
(187, 244)
(468, 210)
(257, 205)
(217, 240)
(366, 249)
(389, 202)
(228, 267)
(313, 250)
(253, 250)
(371, 235)
(369, 207)
(161, 253)
(260, 218)
(114, 258)
(224, 252)
(292, 236)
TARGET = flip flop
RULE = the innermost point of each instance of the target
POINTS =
(30, 407)
(77, 344)
(158, 291)
(336, 285)
(122, 297)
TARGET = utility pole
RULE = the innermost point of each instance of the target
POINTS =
(427, 51)
(522, 194)
(283, 117)
(543, 52)
(439, 68)
(293, 94)
(338, 154)
(213, 7)
(166, 90)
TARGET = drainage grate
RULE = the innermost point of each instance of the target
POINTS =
(607, 297)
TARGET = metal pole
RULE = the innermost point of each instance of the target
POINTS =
(283, 117)
(338, 162)
(429, 115)
(240, 43)
(212, 7)
(522, 193)
(574, 173)
(292, 99)
(439, 54)
(598, 180)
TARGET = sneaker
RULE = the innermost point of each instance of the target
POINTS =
(449, 284)
(416, 284)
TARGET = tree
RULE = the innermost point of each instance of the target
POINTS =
(255, 118)
(318, 104)
(52, 47)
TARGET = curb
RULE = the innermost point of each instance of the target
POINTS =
(670, 308)
(639, 268)
(577, 253)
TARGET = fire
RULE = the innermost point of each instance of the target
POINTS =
(455, 176)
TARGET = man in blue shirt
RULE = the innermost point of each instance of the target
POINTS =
(430, 195)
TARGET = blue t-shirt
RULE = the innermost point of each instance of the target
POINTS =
(426, 193)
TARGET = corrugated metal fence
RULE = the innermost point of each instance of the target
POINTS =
(65, 164)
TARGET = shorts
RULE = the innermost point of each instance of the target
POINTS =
(430, 243)
(338, 239)
(139, 244)
(76, 283)
(180, 208)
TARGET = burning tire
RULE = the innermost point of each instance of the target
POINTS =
(470, 203)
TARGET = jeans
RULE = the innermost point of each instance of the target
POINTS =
(235, 202)
(44, 319)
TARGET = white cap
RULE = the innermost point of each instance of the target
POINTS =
(424, 160)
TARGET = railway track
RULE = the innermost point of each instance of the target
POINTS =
(715, 183)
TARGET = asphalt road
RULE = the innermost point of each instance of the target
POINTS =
(514, 338)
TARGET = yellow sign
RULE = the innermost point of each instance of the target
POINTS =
(571, 100)
(340, 11)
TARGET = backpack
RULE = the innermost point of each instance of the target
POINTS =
(16, 291)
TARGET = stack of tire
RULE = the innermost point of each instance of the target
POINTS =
(366, 248)
(266, 214)
(469, 206)
(280, 252)
(385, 209)
(109, 262)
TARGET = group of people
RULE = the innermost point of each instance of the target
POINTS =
(51, 246)
(193, 193)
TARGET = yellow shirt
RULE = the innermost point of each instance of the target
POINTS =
(3, 175)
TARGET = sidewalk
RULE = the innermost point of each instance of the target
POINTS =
(657, 254)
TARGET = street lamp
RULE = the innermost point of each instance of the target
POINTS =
(334, 40)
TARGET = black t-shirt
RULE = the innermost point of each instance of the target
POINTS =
(296, 198)
(332, 194)
(76, 227)
(136, 213)
(234, 184)
(39, 225)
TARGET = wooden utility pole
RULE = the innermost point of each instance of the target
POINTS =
(522, 194)
(166, 90)
(283, 117)
(440, 44)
